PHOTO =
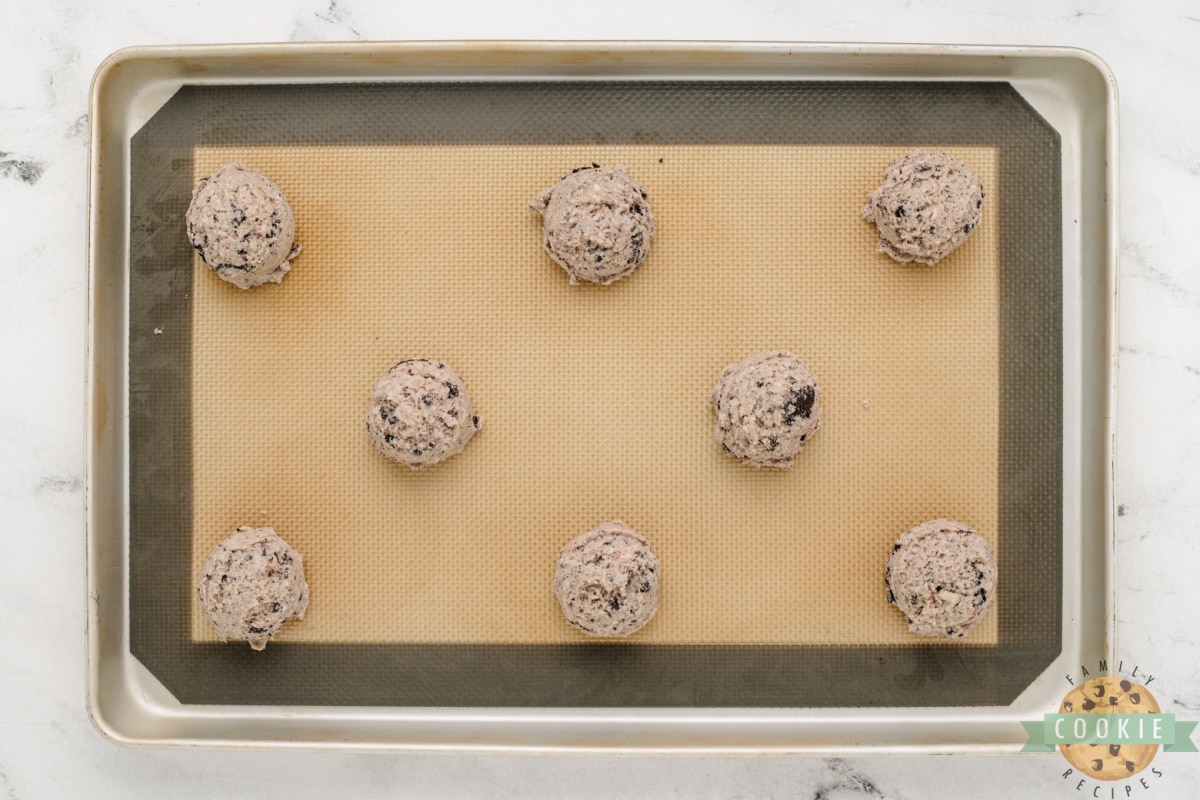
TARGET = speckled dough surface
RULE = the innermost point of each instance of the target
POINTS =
(251, 585)
(597, 223)
(942, 577)
(606, 581)
(928, 204)
(420, 413)
(767, 407)
(242, 226)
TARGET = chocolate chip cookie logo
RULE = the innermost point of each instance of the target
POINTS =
(1109, 729)
(1110, 760)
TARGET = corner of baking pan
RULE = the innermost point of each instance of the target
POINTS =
(125, 91)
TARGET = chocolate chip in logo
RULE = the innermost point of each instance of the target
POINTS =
(1135, 698)
(1126, 686)
(1099, 690)
(1097, 764)
(1088, 705)
(1114, 749)
(1130, 766)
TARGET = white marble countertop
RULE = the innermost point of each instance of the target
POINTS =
(48, 52)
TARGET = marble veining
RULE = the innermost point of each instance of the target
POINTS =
(78, 128)
(844, 781)
(72, 484)
(1185, 367)
(1141, 263)
(333, 23)
(49, 51)
(9, 791)
(26, 170)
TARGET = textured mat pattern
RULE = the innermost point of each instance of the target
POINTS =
(594, 399)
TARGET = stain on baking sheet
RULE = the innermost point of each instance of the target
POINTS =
(420, 649)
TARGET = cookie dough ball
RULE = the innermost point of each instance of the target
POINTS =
(767, 407)
(251, 585)
(242, 226)
(596, 223)
(1110, 694)
(420, 413)
(927, 206)
(942, 576)
(607, 581)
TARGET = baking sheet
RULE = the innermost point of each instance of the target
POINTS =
(262, 416)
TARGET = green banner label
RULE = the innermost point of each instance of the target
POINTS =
(1160, 729)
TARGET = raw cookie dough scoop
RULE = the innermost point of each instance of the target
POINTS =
(942, 577)
(420, 413)
(597, 223)
(606, 581)
(242, 226)
(253, 584)
(928, 205)
(767, 407)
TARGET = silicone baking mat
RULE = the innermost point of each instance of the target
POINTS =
(594, 399)
(418, 243)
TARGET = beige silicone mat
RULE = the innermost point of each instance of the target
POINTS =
(595, 399)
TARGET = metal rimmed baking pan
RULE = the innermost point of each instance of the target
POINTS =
(692, 115)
